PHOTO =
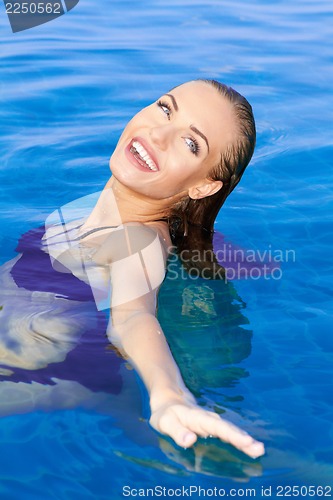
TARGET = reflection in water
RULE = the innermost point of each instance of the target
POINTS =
(207, 331)
(212, 457)
(205, 458)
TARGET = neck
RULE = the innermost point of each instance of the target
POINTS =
(119, 204)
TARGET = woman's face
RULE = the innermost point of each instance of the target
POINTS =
(168, 149)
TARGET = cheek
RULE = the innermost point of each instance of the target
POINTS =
(190, 172)
(179, 181)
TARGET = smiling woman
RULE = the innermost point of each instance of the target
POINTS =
(181, 139)
(174, 165)
(195, 143)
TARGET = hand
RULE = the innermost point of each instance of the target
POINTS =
(184, 422)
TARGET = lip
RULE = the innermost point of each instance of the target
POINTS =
(134, 161)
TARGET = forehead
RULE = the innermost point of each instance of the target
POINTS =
(208, 110)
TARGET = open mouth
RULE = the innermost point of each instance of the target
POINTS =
(142, 156)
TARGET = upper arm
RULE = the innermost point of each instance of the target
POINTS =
(136, 259)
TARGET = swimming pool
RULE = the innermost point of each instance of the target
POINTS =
(261, 348)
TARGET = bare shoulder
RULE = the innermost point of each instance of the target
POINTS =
(133, 238)
(162, 229)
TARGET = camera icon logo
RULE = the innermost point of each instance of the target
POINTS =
(26, 14)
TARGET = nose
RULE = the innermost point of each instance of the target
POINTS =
(160, 136)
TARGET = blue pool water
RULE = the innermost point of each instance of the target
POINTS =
(261, 349)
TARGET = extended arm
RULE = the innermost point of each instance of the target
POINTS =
(137, 333)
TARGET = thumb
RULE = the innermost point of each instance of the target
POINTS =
(187, 439)
(171, 426)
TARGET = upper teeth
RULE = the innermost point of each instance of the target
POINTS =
(145, 156)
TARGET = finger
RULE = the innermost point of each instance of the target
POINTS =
(206, 423)
(170, 425)
(237, 437)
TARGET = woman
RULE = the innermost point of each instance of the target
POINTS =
(174, 165)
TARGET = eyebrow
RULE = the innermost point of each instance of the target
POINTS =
(192, 127)
(174, 102)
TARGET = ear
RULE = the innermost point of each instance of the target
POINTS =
(205, 189)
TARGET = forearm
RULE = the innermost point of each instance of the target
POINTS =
(143, 341)
(173, 407)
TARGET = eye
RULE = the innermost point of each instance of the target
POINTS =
(192, 145)
(165, 107)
